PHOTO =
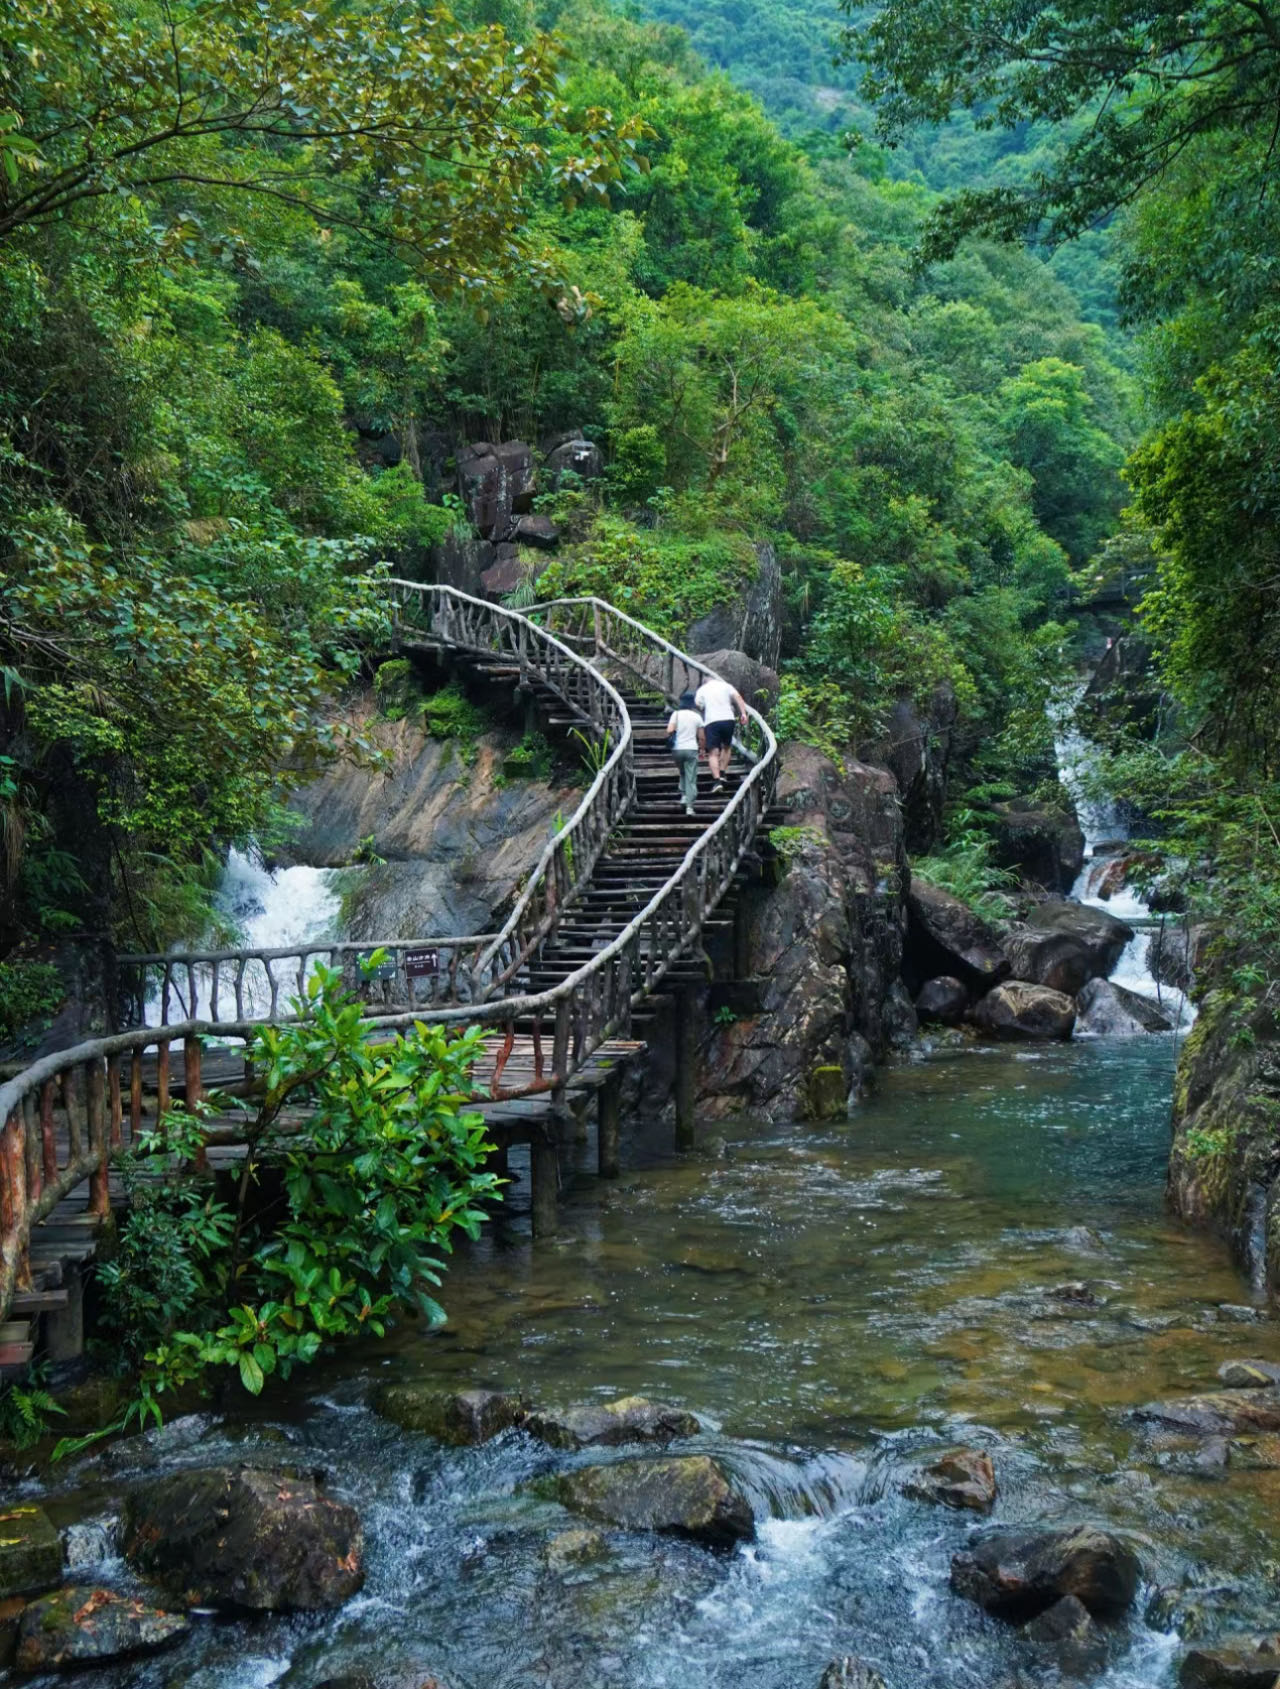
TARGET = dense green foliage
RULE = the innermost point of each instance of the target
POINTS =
(326, 1234)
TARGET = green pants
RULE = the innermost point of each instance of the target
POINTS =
(687, 763)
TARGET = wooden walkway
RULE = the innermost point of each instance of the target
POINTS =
(610, 927)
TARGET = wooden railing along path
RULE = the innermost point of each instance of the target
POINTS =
(65, 1115)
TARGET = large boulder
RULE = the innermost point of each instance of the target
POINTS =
(682, 1495)
(1107, 1010)
(757, 683)
(1176, 952)
(240, 1537)
(1067, 1636)
(30, 1550)
(1017, 1010)
(1217, 1412)
(631, 1420)
(1018, 1573)
(943, 1001)
(459, 1417)
(1041, 842)
(1102, 935)
(571, 453)
(944, 936)
(87, 1626)
(497, 484)
(960, 1478)
(1243, 1662)
(1055, 959)
(750, 621)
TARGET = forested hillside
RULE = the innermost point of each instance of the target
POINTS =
(223, 276)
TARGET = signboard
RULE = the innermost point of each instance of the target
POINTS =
(383, 970)
(421, 964)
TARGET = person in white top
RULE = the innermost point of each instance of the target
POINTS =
(688, 742)
(719, 703)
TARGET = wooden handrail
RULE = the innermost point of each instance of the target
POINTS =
(84, 1087)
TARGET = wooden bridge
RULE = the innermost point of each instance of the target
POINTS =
(612, 919)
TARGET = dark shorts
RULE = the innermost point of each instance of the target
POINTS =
(719, 735)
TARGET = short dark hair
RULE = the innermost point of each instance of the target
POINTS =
(687, 701)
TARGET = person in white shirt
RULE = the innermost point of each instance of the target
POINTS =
(719, 703)
(689, 743)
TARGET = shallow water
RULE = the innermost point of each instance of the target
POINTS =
(833, 1301)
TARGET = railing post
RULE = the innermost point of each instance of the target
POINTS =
(95, 1110)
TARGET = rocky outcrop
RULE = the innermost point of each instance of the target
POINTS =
(823, 943)
(943, 1001)
(686, 1495)
(944, 936)
(750, 621)
(631, 1420)
(244, 1537)
(960, 1478)
(454, 833)
(1107, 1010)
(1102, 936)
(1176, 952)
(1223, 1167)
(459, 1417)
(1043, 844)
(572, 453)
(916, 747)
(1020, 1573)
(1019, 1011)
(89, 1626)
(497, 484)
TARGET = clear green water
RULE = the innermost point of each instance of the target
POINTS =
(833, 1301)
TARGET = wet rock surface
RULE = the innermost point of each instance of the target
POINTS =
(686, 1495)
(1019, 1573)
(241, 1537)
(960, 1478)
(82, 1626)
(1017, 1010)
(1249, 1375)
(943, 1001)
(30, 1550)
(633, 1419)
(459, 1417)
(1067, 1635)
(1218, 1412)
(850, 1673)
(1107, 1010)
(1056, 959)
(1240, 1663)
(1102, 936)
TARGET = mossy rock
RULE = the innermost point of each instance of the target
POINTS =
(459, 1417)
(684, 1495)
(827, 1094)
(30, 1551)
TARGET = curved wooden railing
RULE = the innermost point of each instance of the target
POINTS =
(65, 1115)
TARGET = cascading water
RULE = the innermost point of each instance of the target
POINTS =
(269, 910)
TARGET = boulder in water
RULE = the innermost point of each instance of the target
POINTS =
(946, 937)
(459, 1417)
(1102, 935)
(1249, 1375)
(1069, 1636)
(850, 1673)
(944, 1001)
(1056, 959)
(30, 1550)
(631, 1420)
(1017, 1573)
(1107, 1010)
(1218, 1413)
(960, 1478)
(1236, 1663)
(1017, 1010)
(684, 1495)
(86, 1626)
(240, 1537)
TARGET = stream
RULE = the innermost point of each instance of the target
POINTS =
(980, 1255)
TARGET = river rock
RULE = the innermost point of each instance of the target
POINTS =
(946, 937)
(30, 1551)
(850, 1673)
(633, 1419)
(459, 1417)
(1249, 1375)
(1020, 1011)
(1068, 1634)
(1102, 935)
(1107, 1010)
(575, 1548)
(1056, 959)
(81, 1626)
(1017, 1573)
(1218, 1412)
(1237, 1663)
(684, 1495)
(943, 1001)
(960, 1478)
(244, 1537)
